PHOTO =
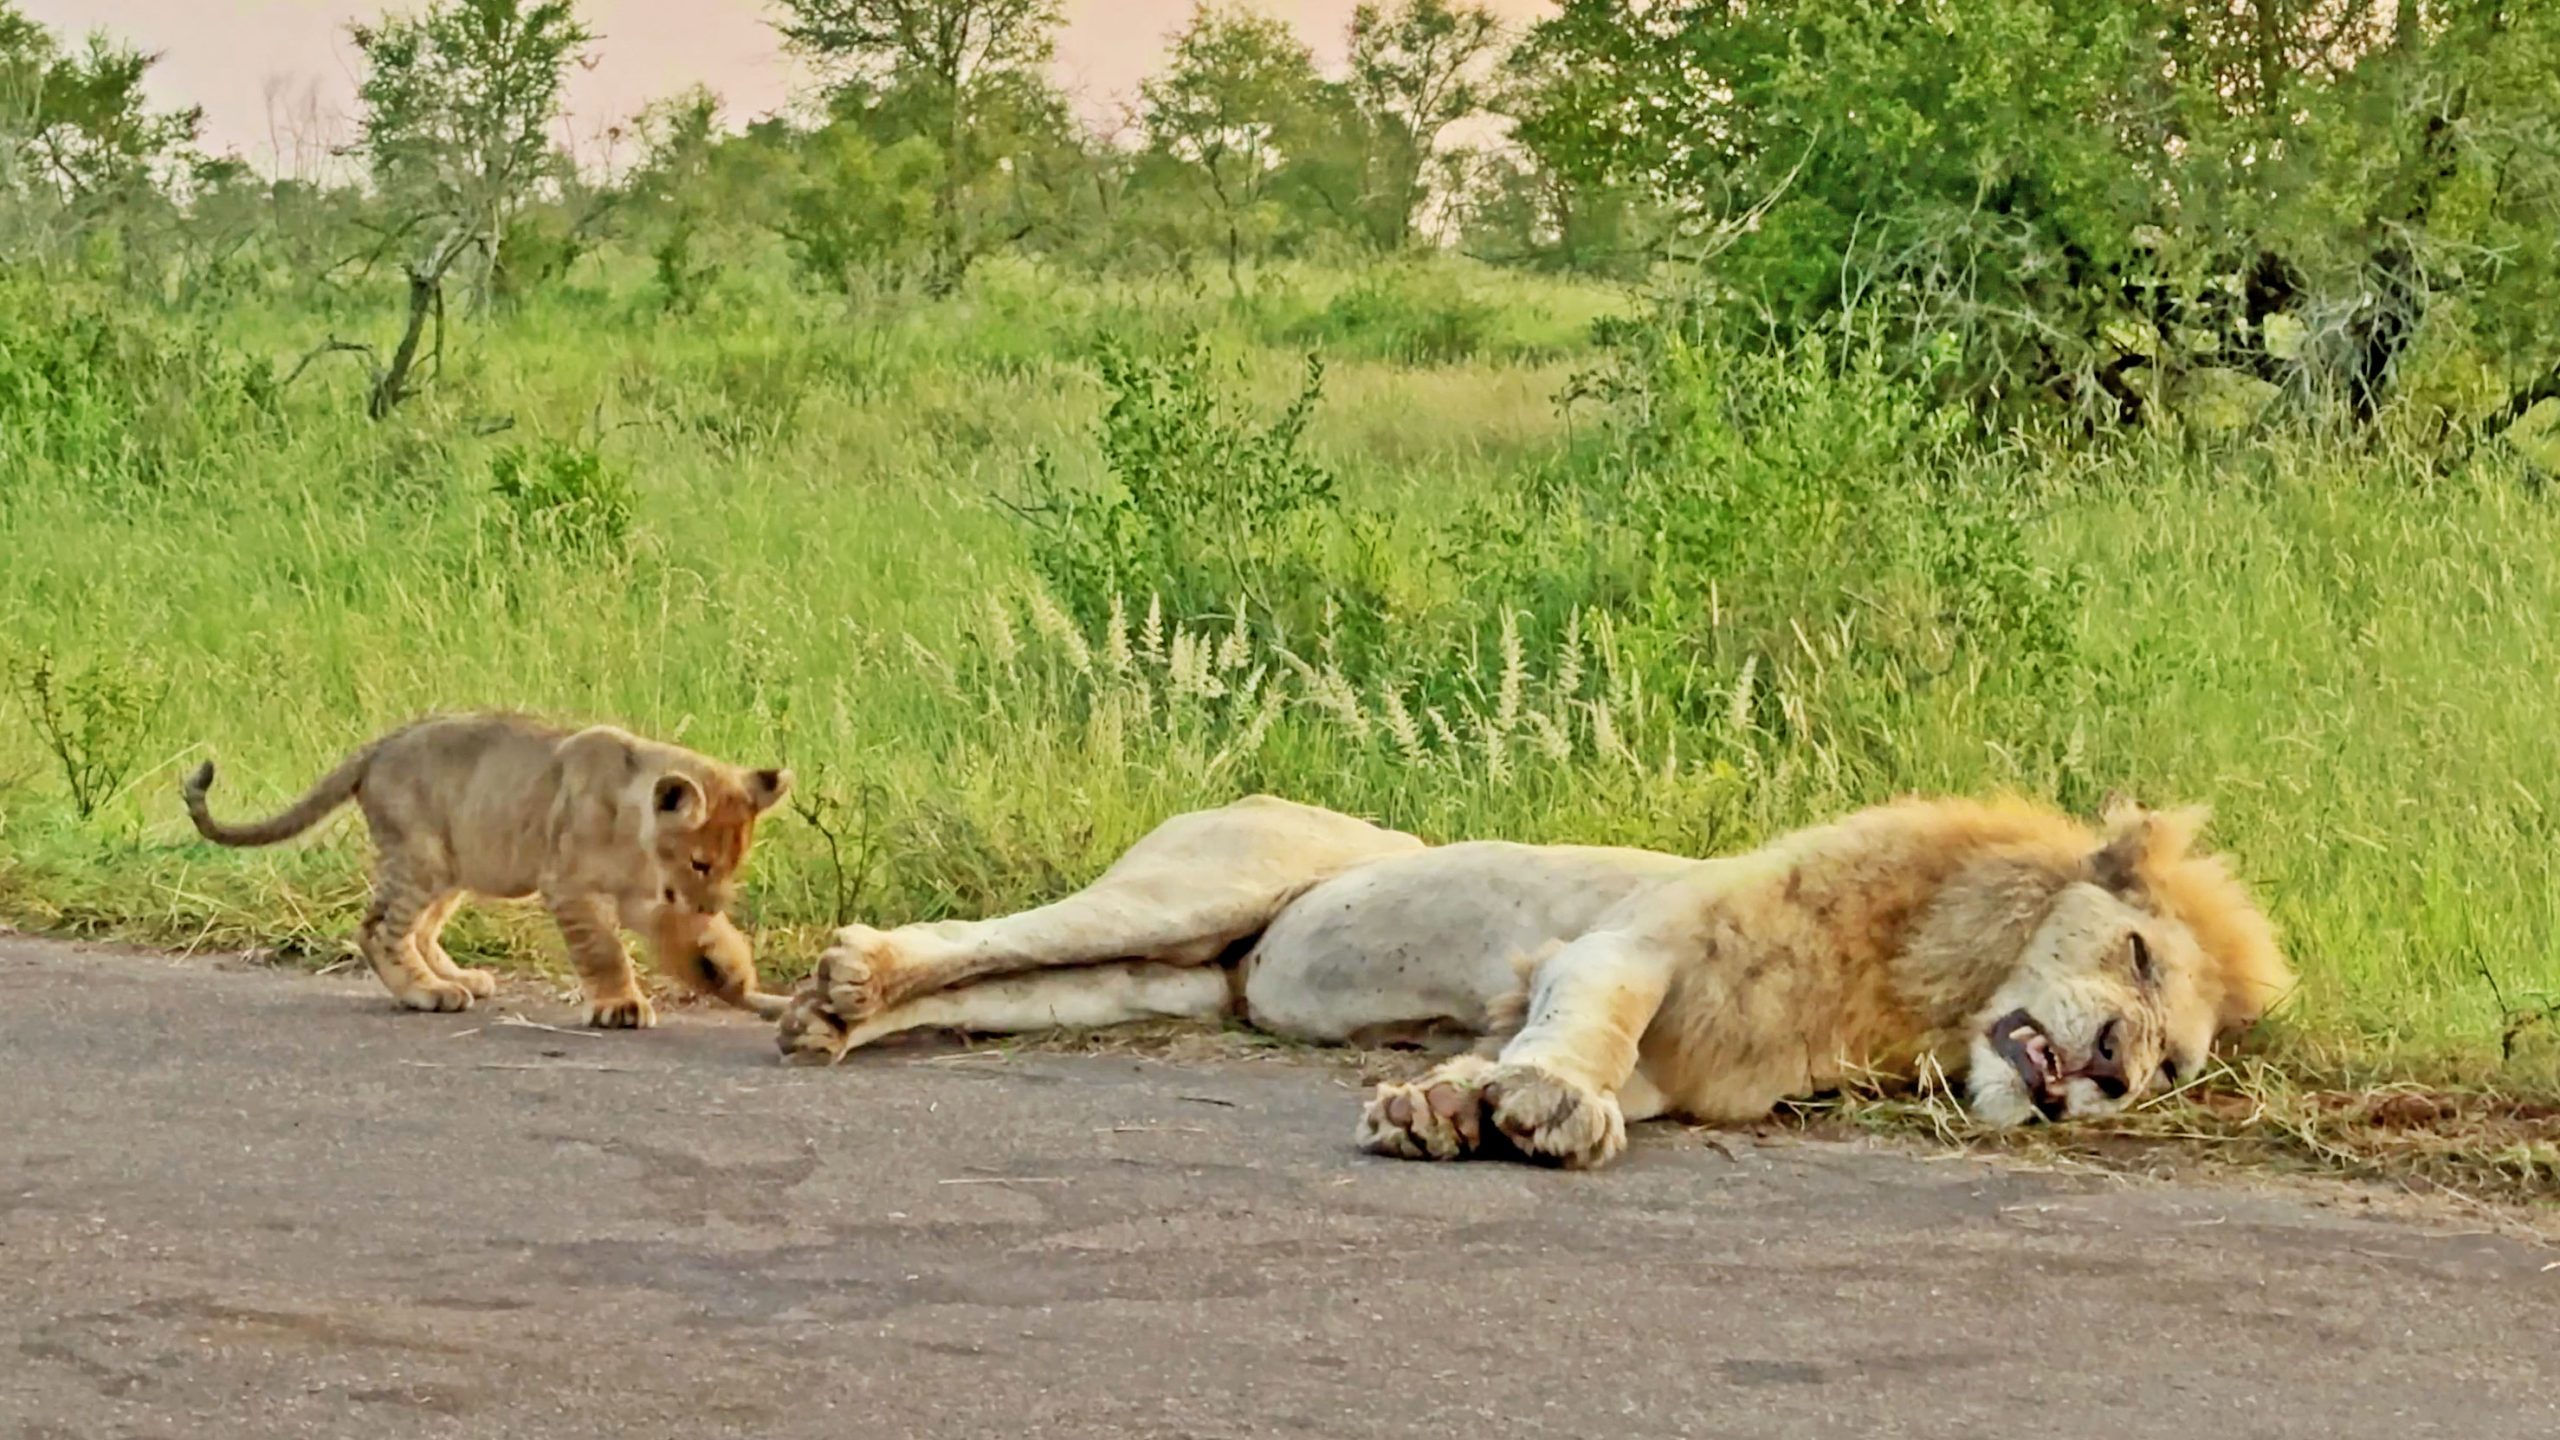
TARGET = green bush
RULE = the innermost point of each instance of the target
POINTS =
(564, 500)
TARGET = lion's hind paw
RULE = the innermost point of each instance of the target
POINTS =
(808, 1033)
(853, 974)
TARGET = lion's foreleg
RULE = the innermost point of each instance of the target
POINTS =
(1552, 1091)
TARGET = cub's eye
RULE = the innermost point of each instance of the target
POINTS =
(2143, 969)
(2169, 1072)
(671, 897)
(701, 867)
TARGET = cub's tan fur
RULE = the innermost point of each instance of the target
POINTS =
(2056, 970)
(611, 830)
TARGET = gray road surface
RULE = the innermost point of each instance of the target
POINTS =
(245, 1204)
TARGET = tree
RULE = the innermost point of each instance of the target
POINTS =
(857, 208)
(1415, 71)
(1553, 195)
(1218, 111)
(78, 142)
(457, 102)
(962, 74)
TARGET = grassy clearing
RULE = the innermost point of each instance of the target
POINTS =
(790, 532)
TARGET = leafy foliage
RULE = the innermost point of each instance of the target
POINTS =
(2091, 204)
(110, 398)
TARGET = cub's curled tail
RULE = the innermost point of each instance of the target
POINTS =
(333, 790)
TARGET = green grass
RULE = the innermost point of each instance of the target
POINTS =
(1689, 642)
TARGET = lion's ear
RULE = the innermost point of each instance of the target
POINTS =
(765, 788)
(676, 799)
(2140, 843)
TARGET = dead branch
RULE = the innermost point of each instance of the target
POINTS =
(332, 346)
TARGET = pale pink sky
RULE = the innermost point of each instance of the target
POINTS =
(276, 77)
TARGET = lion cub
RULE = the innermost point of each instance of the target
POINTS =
(611, 830)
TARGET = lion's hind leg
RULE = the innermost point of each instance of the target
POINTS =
(1088, 997)
(1187, 893)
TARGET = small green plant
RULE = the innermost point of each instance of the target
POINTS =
(1206, 506)
(564, 499)
(93, 721)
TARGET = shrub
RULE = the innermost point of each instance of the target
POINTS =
(107, 394)
(1417, 314)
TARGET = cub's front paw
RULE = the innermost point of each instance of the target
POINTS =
(627, 1012)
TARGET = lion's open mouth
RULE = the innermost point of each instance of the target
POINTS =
(2022, 1042)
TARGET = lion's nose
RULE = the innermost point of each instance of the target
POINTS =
(2105, 1066)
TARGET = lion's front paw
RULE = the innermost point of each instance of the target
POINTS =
(1550, 1117)
(808, 1033)
(853, 974)
(626, 1012)
(1438, 1117)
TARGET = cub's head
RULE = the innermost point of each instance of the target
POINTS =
(701, 822)
(2126, 981)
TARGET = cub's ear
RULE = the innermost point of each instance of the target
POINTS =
(765, 788)
(2141, 843)
(676, 798)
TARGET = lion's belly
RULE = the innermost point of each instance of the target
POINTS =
(1431, 936)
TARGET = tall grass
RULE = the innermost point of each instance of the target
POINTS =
(1731, 595)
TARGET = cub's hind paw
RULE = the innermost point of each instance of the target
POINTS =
(481, 983)
(436, 995)
(630, 1012)
(1440, 1116)
(1548, 1117)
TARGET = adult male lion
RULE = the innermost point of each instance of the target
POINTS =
(2060, 971)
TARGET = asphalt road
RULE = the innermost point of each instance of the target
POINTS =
(245, 1204)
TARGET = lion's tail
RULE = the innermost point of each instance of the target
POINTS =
(331, 791)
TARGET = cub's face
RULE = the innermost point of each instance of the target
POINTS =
(700, 828)
(2105, 1005)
